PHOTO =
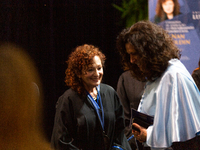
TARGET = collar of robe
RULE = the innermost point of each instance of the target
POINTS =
(96, 105)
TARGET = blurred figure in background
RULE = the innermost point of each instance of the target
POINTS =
(166, 9)
(196, 75)
(130, 91)
(20, 110)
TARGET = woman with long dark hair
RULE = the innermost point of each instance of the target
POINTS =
(170, 95)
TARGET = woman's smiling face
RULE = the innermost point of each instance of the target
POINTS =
(93, 75)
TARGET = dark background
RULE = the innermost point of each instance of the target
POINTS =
(49, 30)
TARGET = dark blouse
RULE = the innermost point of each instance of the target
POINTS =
(130, 91)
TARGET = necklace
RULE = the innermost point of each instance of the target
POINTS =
(98, 106)
(94, 98)
(94, 95)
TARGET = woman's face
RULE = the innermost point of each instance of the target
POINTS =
(93, 75)
(134, 56)
(168, 6)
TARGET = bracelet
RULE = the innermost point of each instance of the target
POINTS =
(118, 147)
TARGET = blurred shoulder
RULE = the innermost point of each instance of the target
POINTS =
(196, 71)
(126, 74)
(176, 69)
(68, 95)
(68, 92)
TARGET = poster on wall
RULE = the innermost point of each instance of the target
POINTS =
(181, 18)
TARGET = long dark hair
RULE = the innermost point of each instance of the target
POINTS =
(154, 46)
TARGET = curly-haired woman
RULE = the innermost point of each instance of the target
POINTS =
(89, 115)
(170, 95)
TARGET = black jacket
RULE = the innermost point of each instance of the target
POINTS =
(77, 125)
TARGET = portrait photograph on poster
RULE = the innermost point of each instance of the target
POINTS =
(181, 18)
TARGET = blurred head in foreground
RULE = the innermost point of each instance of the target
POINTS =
(20, 109)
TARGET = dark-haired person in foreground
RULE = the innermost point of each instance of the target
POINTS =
(89, 115)
(170, 96)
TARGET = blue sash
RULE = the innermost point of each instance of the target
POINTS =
(96, 105)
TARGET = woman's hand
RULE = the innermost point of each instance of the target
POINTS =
(140, 136)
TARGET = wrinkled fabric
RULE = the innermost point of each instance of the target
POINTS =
(174, 101)
(77, 125)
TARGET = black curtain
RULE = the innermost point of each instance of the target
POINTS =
(49, 30)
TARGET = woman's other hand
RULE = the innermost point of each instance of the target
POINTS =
(140, 136)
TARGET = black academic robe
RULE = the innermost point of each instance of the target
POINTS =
(77, 126)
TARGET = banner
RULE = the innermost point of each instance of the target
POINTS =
(181, 18)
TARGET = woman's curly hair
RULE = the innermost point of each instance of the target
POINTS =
(154, 46)
(78, 61)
